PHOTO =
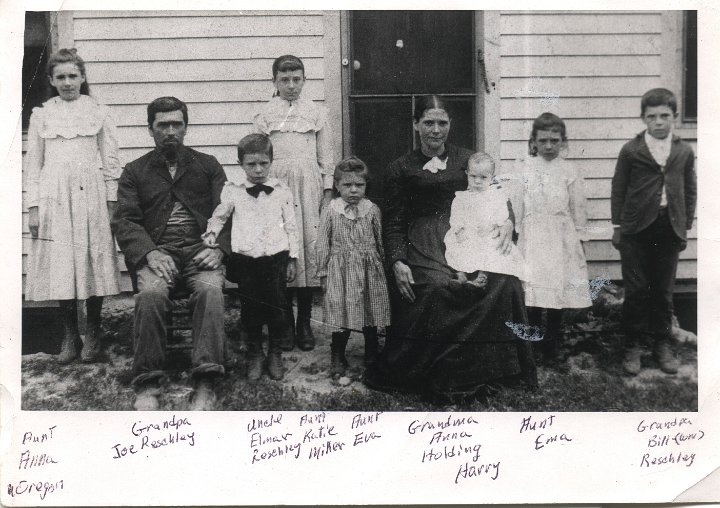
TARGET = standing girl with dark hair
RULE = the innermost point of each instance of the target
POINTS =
(72, 170)
(303, 160)
(552, 224)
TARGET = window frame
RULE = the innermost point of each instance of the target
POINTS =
(672, 64)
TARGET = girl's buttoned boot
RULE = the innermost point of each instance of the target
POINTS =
(338, 362)
(304, 336)
(371, 345)
(71, 338)
(91, 346)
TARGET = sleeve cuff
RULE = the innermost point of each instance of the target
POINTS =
(111, 188)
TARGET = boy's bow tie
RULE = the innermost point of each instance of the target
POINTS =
(255, 190)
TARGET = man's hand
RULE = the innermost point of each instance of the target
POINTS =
(162, 265)
(404, 280)
(208, 259)
(504, 236)
(616, 238)
(291, 270)
(34, 221)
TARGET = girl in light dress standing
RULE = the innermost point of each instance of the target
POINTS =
(303, 160)
(551, 228)
(72, 170)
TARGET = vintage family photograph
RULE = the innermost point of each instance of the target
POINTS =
(360, 210)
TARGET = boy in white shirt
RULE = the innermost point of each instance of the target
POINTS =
(264, 246)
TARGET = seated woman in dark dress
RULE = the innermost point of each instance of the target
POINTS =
(446, 341)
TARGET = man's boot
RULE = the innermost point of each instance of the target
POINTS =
(338, 362)
(664, 355)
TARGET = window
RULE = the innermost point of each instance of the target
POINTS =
(689, 109)
(35, 86)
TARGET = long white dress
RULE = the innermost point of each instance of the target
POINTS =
(469, 244)
(553, 221)
(302, 159)
(71, 172)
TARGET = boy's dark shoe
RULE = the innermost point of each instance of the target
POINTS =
(669, 364)
(255, 359)
(631, 363)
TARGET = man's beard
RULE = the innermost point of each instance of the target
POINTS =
(170, 150)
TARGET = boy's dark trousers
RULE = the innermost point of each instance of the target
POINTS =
(263, 295)
(649, 262)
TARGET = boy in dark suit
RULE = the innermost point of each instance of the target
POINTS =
(653, 205)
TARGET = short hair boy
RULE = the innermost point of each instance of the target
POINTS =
(653, 199)
(264, 245)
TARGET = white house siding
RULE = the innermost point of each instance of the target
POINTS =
(590, 68)
(218, 62)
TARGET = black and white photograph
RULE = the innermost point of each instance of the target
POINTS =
(385, 277)
(323, 228)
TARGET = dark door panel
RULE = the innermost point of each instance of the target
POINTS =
(395, 57)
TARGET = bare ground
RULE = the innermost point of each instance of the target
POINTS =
(591, 380)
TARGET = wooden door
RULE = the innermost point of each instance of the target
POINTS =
(393, 57)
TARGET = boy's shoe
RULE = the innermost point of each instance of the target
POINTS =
(665, 357)
(275, 366)
(631, 363)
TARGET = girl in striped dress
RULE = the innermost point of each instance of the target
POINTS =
(350, 265)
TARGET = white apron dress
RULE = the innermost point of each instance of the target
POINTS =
(71, 172)
(302, 159)
(553, 222)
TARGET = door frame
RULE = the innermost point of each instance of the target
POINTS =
(487, 105)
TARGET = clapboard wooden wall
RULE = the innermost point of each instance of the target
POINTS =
(589, 68)
(218, 62)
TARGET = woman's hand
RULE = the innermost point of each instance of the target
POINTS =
(504, 235)
(34, 221)
(323, 284)
(404, 280)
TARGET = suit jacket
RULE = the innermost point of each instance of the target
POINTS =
(146, 193)
(637, 187)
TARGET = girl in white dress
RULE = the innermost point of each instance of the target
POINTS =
(303, 160)
(72, 170)
(475, 217)
(552, 226)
